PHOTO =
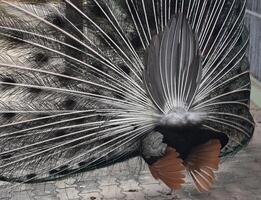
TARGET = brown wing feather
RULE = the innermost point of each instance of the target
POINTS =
(202, 162)
(169, 169)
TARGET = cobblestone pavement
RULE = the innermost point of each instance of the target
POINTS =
(238, 179)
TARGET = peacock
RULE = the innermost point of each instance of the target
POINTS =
(86, 84)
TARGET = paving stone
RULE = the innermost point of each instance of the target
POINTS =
(132, 189)
(91, 196)
(5, 195)
(105, 181)
(152, 189)
(21, 187)
(43, 189)
(147, 179)
(130, 185)
(22, 195)
(62, 184)
(134, 195)
(127, 177)
(70, 181)
(48, 197)
(257, 116)
(112, 192)
(88, 186)
(165, 197)
(68, 193)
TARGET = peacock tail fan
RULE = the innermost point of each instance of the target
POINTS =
(84, 82)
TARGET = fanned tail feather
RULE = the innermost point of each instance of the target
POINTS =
(73, 92)
(201, 163)
(169, 169)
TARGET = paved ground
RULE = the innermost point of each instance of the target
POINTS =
(238, 179)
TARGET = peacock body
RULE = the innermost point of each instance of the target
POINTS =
(87, 84)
